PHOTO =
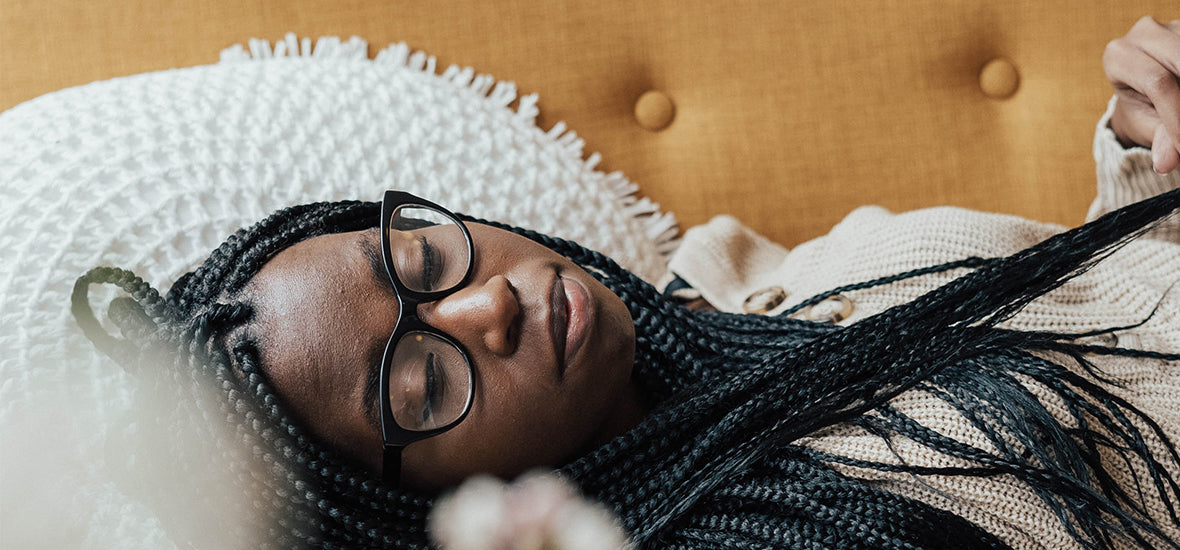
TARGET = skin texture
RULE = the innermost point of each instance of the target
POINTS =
(1143, 67)
(321, 317)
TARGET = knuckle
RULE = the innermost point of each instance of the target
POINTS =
(1114, 51)
(1114, 48)
(1158, 81)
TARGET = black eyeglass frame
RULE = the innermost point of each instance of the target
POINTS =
(395, 438)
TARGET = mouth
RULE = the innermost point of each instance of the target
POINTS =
(569, 319)
(558, 322)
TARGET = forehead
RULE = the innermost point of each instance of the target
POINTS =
(320, 314)
(312, 279)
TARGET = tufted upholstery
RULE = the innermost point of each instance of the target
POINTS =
(785, 113)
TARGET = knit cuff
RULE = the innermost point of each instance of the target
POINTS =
(1125, 176)
(724, 260)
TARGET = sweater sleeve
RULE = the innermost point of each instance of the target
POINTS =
(1125, 176)
(724, 259)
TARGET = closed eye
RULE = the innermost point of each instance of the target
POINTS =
(432, 380)
(430, 268)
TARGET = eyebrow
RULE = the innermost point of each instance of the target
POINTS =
(376, 261)
(376, 353)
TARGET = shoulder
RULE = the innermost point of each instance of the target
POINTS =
(922, 237)
(727, 262)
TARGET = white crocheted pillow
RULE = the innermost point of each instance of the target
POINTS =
(153, 171)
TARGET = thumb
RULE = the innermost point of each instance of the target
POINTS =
(1164, 154)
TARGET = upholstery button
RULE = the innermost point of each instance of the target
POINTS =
(1107, 339)
(832, 309)
(999, 79)
(654, 110)
(764, 300)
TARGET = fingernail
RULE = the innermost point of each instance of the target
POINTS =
(1157, 159)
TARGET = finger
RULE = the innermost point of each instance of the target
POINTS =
(1130, 67)
(1164, 156)
(1162, 42)
(1134, 121)
(1162, 45)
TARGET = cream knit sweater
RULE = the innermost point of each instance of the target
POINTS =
(727, 262)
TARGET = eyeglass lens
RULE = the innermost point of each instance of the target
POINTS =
(428, 249)
(428, 383)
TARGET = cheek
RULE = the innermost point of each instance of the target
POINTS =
(525, 423)
(616, 349)
(513, 427)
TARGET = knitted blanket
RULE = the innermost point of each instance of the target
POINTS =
(151, 172)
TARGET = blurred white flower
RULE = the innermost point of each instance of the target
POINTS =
(539, 511)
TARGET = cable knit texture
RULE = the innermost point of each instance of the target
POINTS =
(727, 262)
(152, 172)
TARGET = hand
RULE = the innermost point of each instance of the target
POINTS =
(1144, 68)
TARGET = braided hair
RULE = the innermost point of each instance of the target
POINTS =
(717, 463)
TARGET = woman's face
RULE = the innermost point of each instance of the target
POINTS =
(325, 310)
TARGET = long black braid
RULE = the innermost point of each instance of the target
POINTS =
(716, 464)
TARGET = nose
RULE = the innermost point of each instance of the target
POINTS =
(486, 314)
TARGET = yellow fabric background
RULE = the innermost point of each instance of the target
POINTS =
(788, 113)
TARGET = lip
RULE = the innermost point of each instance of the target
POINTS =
(579, 315)
(558, 323)
(571, 315)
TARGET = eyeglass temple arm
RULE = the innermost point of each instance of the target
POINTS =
(391, 467)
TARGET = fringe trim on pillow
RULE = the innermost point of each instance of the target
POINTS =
(659, 226)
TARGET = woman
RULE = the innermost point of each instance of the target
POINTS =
(371, 355)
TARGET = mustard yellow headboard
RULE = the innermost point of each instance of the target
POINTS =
(785, 113)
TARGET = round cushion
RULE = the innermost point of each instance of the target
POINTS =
(151, 172)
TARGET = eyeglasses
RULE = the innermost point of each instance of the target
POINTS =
(426, 374)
